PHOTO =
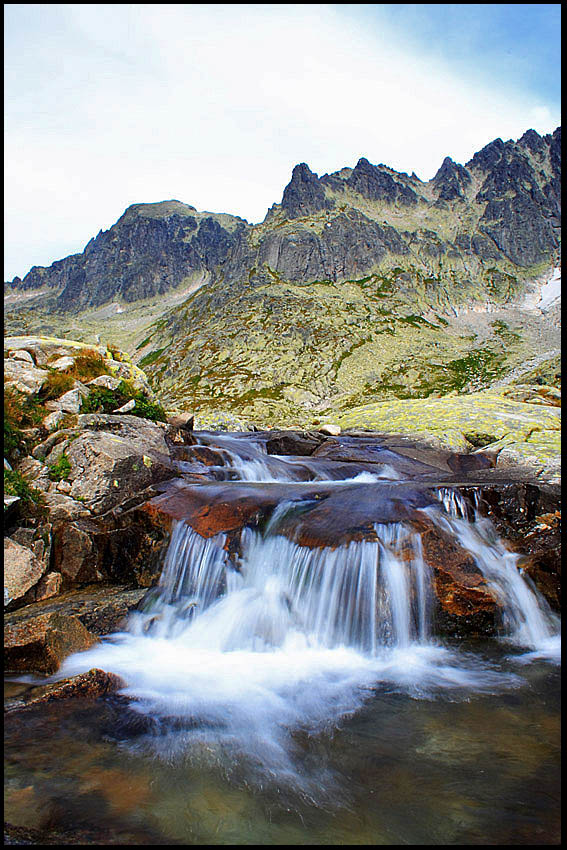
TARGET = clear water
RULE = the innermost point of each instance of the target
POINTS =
(457, 767)
(300, 696)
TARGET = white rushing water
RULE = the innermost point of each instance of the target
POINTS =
(528, 620)
(235, 654)
(250, 462)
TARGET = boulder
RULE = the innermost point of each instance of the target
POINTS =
(69, 402)
(47, 587)
(301, 443)
(52, 420)
(108, 382)
(22, 570)
(117, 457)
(24, 376)
(100, 608)
(126, 408)
(330, 430)
(22, 355)
(38, 644)
(63, 363)
(74, 552)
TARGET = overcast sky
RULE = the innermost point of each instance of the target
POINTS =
(110, 105)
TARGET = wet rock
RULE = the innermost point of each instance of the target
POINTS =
(377, 450)
(100, 608)
(39, 643)
(199, 454)
(210, 509)
(523, 433)
(300, 443)
(122, 546)
(528, 516)
(464, 603)
(92, 684)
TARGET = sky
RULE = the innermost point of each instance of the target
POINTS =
(213, 104)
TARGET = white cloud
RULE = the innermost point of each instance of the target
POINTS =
(108, 105)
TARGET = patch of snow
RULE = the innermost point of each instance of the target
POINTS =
(550, 294)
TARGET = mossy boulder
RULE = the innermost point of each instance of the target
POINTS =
(517, 432)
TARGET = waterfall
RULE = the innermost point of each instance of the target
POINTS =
(528, 620)
(251, 635)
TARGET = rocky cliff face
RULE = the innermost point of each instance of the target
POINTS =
(152, 248)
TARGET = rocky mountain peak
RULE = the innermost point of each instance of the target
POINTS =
(304, 194)
(379, 184)
(451, 180)
(533, 141)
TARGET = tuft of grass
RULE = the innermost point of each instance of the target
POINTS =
(20, 411)
(89, 364)
(32, 499)
(56, 385)
(60, 470)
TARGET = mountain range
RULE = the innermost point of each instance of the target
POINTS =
(360, 285)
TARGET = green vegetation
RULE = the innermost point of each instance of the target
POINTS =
(21, 411)
(32, 499)
(60, 470)
(87, 365)
(150, 358)
(103, 400)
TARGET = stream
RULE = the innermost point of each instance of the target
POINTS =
(286, 682)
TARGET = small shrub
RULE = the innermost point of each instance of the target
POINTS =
(103, 400)
(60, 470)
(100, 400)
(21, 410)
(116, 353)
(13, 439)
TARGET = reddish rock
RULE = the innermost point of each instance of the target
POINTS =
(39, 644)
(465, 603)
(94, 683)
(47, 587)
(199, 454)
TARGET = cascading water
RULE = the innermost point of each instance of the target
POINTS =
(238, 652)
(528, 620)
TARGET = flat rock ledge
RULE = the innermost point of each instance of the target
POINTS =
(92, 684)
